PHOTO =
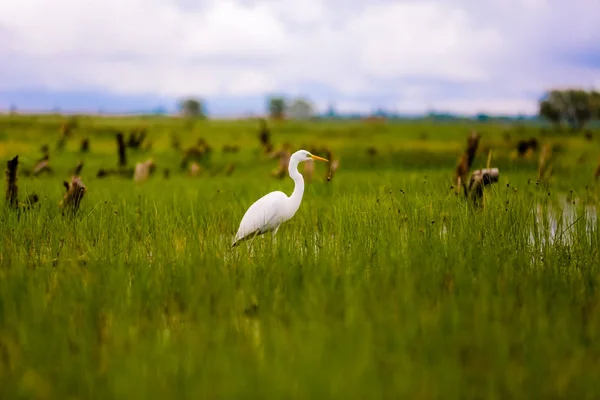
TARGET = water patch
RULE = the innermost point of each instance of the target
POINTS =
(562, 224)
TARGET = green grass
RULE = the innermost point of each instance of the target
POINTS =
(385, 284)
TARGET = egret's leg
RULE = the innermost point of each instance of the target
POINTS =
(273, 233)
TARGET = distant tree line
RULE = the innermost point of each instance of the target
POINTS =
(278, 107)
(575, 107)
(192, 108)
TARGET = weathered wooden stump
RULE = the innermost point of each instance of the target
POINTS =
(264, 135)
(121, 149)
(75, 192)
(136, 137)
(85, 146)
(42, 166)
(12, 190)
(309, 169)
(284, 156)
(479, 179)
(195, 169)
(143, 170)
(77, 170)
(466, 160)
(525, 148)
(229, 170)
(332, 166)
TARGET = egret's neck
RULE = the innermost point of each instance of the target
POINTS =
(296, 196)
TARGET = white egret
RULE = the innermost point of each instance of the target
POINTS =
(273, 209)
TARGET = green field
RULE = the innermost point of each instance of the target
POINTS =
(385, 284)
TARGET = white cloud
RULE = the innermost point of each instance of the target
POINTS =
(248, 82)
(461, 53)
(428, 39)
(230, 29)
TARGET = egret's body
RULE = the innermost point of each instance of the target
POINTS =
(273, 209)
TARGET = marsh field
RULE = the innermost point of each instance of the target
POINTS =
(385, 284)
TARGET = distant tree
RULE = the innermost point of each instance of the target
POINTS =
(192, 108)
(550, 112)
(574, 106)
(277, 107)
(331, 111)
(580, 108)
(301, 109)
(595, 102)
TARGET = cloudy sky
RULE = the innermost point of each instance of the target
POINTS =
(466, 56)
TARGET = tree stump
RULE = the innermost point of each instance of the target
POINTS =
(42, 166)
(75, 192)
(121, 149)
(284, 156)
(479, 179)
(195, 169)
(264, 135)
(332, 166)
(143, 170)
(12, 190)
(77, 170)
(85, 146)
(466, 160)
(229, 169)
(309, 169)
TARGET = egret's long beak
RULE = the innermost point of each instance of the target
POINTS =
(318, 158)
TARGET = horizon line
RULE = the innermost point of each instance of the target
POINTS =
(348, 114)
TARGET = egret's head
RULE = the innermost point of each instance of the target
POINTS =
(303, 155)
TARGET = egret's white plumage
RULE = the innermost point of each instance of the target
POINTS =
(273, 209)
